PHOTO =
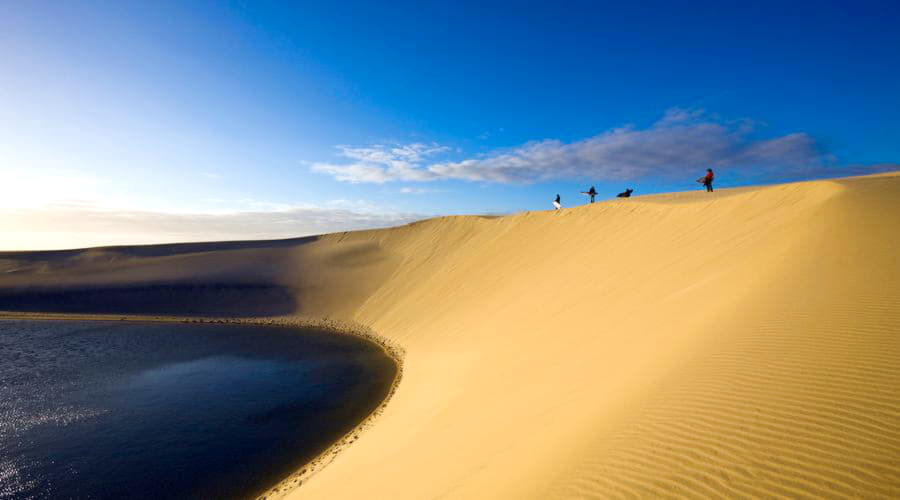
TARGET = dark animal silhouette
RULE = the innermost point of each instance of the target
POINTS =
(626, 193)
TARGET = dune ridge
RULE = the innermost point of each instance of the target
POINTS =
(740, 343)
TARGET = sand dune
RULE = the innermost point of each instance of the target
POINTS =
(740, 343)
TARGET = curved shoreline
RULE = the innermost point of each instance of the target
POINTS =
(326, 456)
(667, 345)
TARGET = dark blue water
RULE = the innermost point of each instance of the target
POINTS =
(164, 410)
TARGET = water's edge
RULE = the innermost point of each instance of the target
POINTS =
(337, 327)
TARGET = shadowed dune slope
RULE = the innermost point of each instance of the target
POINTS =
(740, 343)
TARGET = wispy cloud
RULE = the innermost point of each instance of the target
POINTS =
(68, 209)
(86, 224)
(680, 143)
(21, 188)
(380, 163)
(418, 190)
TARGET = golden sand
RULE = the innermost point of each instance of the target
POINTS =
(739, 343)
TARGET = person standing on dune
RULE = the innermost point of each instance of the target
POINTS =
(707, 180)
(556, 203)
(590, 192)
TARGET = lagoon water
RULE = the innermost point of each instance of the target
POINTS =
(166, 410)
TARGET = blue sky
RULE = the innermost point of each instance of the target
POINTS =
(139, 122)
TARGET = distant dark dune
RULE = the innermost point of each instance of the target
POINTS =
(163, 250)
(219, 299)
(742, 343)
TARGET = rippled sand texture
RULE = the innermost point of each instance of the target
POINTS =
(740, 343)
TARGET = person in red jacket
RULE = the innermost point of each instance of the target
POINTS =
(707, 180)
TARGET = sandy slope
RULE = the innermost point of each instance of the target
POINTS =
(741, 343)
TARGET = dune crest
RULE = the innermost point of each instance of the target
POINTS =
(740, 343)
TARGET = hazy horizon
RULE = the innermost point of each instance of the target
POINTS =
(131, 123)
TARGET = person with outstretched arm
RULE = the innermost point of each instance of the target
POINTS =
(590, 192)
(707, 180)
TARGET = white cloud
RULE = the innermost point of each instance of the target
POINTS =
(680, 115)
(682, 142)
(418, 190)
(381, 163)
(22, 188)
(83, 225)
(68, 209)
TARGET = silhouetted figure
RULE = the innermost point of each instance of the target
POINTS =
(626, 193)
(556, 203)
(707, 180)
(590, 192)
